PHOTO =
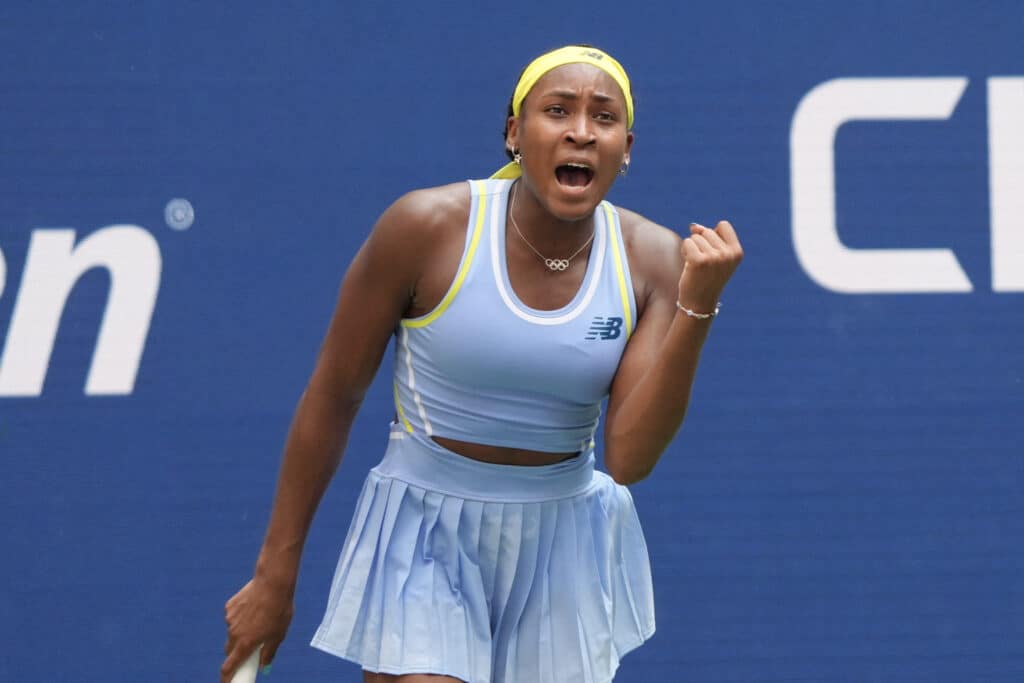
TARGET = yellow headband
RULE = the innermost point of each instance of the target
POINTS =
(572, 54)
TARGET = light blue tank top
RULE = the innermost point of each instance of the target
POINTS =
(485, 368)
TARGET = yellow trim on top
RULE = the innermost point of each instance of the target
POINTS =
(481, 213)
(620, 272)
(401, 413)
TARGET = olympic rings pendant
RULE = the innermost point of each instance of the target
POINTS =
(556, 264)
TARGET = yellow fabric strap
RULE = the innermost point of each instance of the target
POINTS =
(620, 271)
(572, 54)
(508, 171)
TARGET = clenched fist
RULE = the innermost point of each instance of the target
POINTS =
(711, 256)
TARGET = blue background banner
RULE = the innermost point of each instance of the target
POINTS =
(844, 503)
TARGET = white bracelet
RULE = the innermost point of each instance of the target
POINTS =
(699, 316)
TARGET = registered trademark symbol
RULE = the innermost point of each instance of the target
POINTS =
(179, 214)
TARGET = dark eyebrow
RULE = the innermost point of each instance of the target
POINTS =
(570, 95)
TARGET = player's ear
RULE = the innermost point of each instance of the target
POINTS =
(512, 133)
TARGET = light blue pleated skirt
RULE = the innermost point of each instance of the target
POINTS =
(489, 573)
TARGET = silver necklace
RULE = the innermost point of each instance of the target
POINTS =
(555, 265)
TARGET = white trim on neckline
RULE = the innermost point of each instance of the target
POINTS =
(600, 245)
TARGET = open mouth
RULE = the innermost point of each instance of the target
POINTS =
(574, 175)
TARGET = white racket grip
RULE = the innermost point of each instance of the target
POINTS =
(250, 667)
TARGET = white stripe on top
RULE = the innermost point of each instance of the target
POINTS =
(600, 244)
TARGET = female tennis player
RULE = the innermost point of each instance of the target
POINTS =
(485, 547)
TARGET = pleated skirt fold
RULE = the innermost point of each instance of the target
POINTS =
(489, 573)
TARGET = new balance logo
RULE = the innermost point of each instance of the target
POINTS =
(604, 328)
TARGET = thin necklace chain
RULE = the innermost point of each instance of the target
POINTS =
(555, 265)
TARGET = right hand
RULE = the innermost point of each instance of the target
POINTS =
(259, 613)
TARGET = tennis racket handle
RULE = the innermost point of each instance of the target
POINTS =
(250, 667)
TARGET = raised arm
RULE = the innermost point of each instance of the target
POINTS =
(375, 292)
(651, 390)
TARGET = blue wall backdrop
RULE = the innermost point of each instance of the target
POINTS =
(844, 503)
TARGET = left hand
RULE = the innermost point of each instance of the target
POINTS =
(711, 257)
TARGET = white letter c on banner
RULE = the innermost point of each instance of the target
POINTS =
(822, 255)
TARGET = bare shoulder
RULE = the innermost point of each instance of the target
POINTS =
(419, 240)
(654, 253)
(423, 215)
